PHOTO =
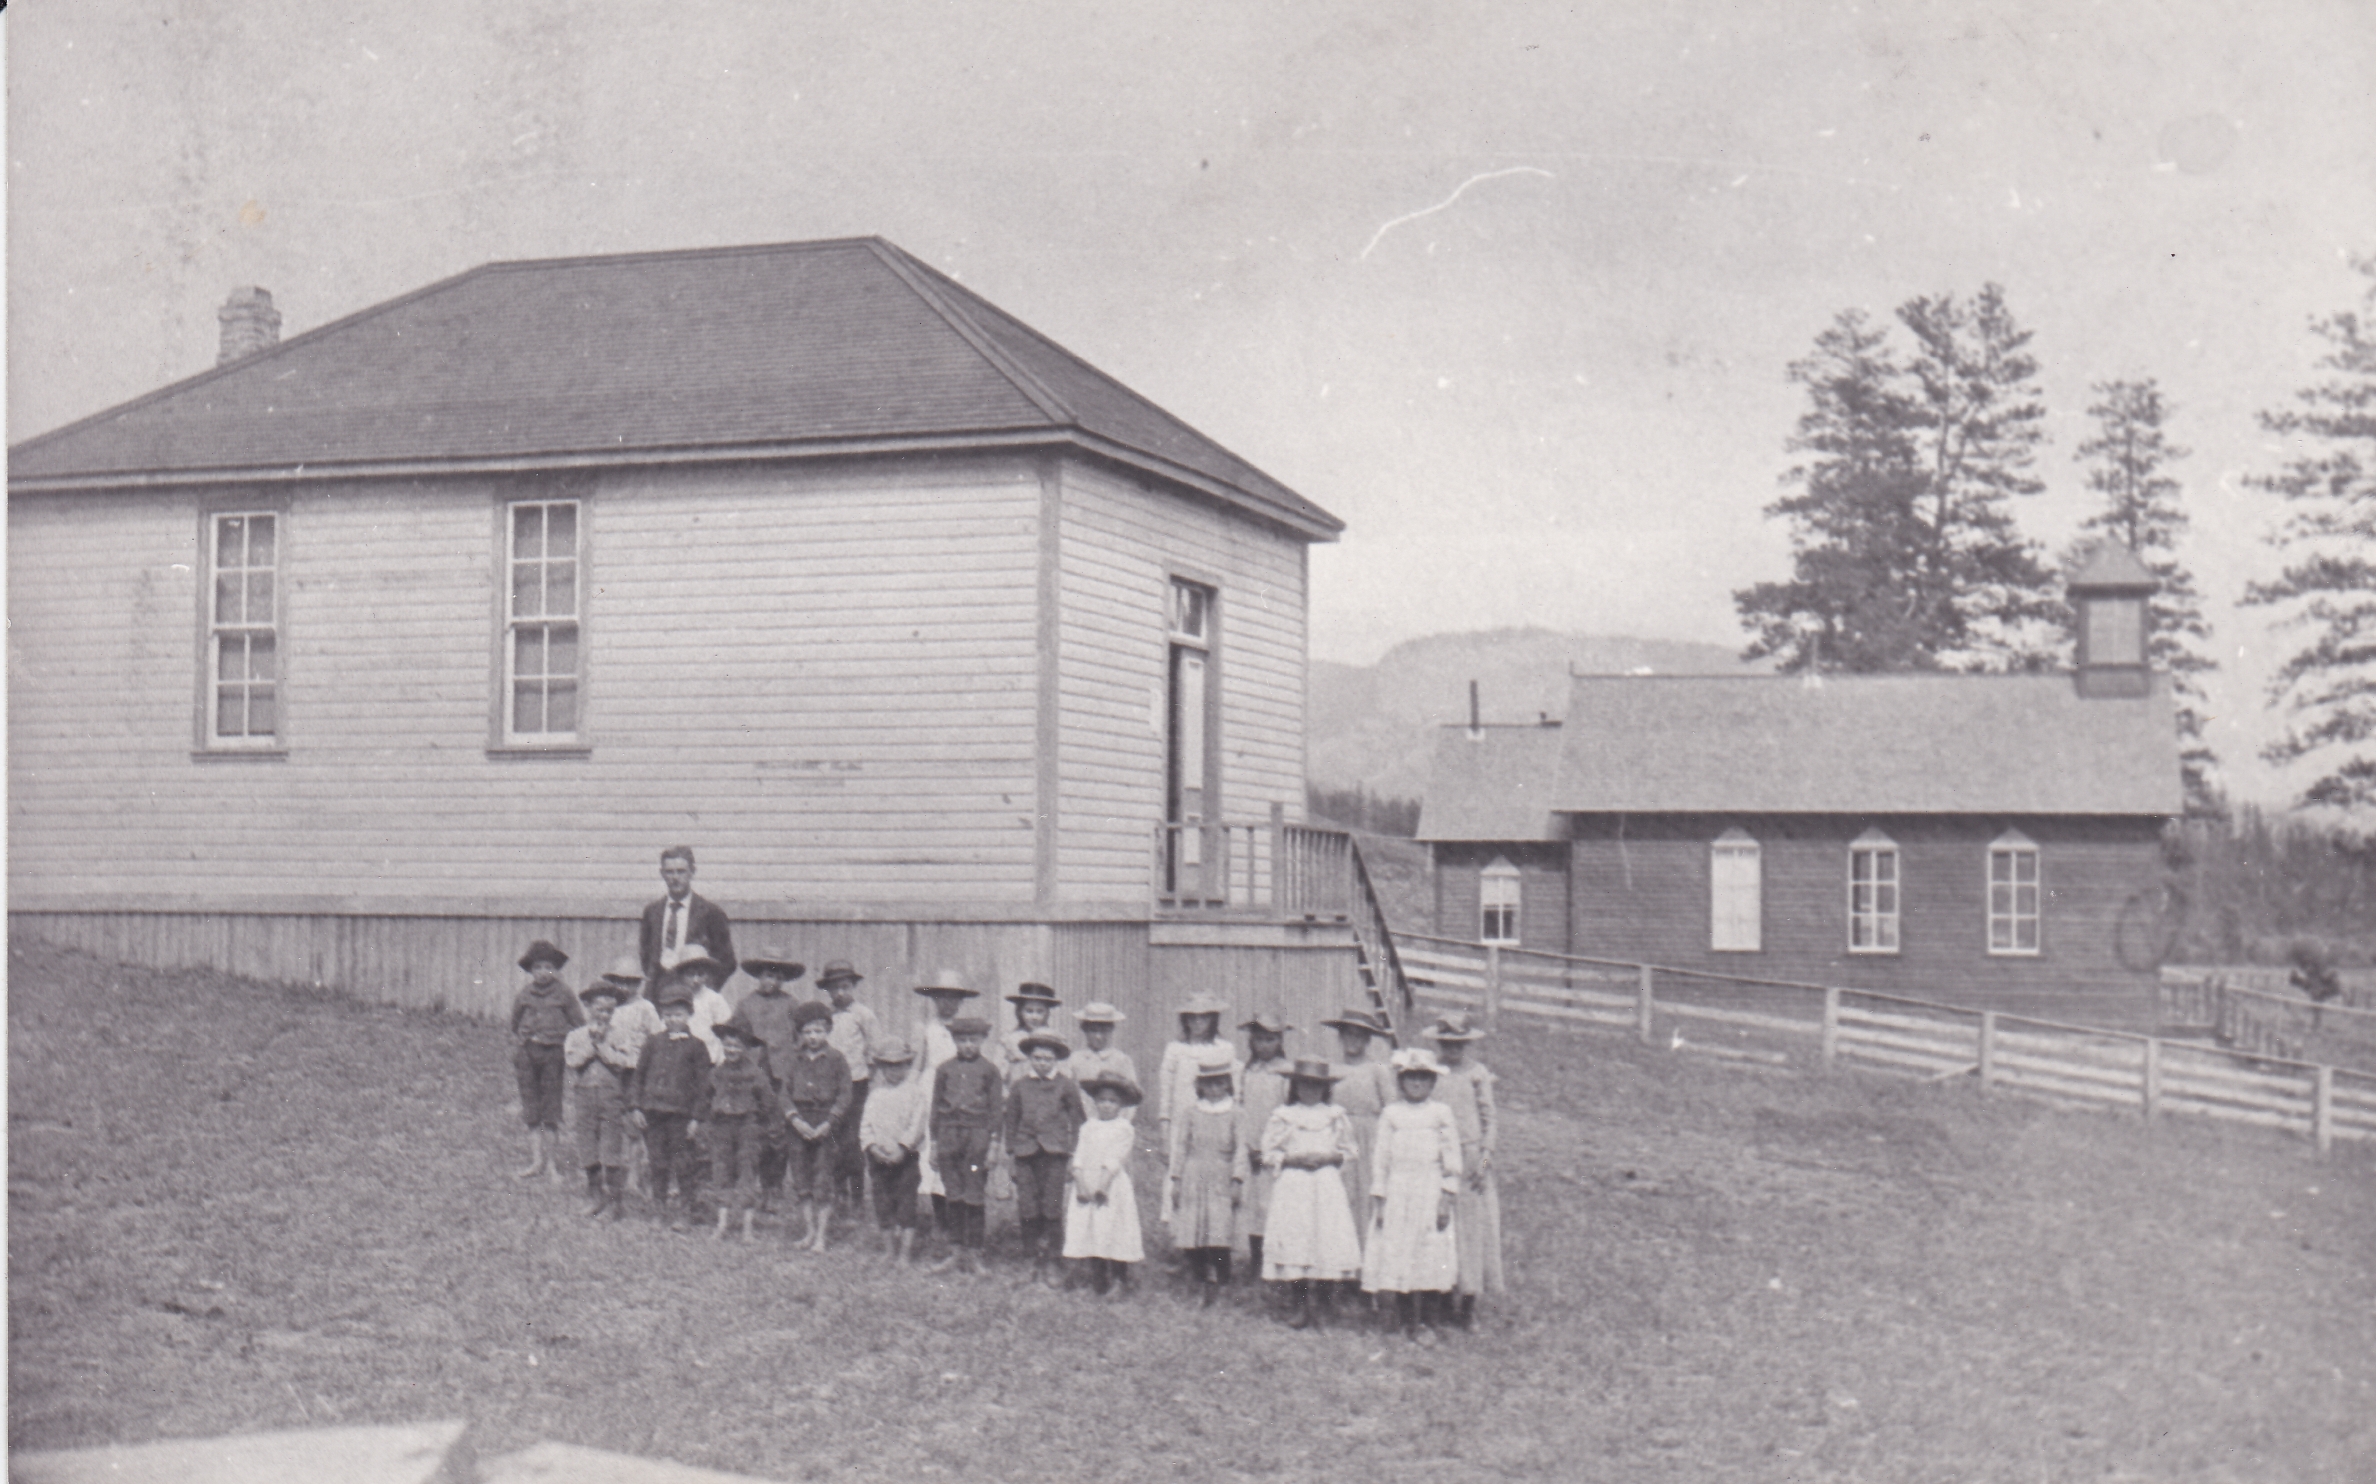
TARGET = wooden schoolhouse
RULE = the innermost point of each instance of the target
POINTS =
(1989, 840)
(370, 654)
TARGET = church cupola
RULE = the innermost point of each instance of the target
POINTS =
(2108, 593)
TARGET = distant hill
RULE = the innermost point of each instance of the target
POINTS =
(1374, 725)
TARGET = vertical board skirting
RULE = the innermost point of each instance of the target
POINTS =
(465, 965)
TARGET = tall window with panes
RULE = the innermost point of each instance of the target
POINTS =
(541, 652)
(1873, 894)
(1497, 903)
(2013, 894)
(243, 632)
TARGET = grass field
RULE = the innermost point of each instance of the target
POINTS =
(242, 1207)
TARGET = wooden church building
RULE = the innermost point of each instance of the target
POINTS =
(369, 655)
(1991, 840)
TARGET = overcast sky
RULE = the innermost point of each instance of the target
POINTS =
(1510, 288)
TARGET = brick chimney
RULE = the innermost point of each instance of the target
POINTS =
(250, 324)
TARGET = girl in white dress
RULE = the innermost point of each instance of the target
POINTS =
(1310, 1241)
(947, 995)
(1412, 1250)
(1467, 1089)
(1101, 1221)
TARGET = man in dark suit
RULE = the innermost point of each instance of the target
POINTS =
(681, 919)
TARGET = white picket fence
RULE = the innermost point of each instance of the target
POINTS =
(1781, 1022)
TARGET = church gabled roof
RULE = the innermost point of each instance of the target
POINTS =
(1922, 743)
(794, 348)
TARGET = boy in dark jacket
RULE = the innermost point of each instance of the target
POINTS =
(743, 1106)
(672, 1085)
(967, 1100)
(817, 1099)
(1043, 1124)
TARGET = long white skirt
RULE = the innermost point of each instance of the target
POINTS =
(1110, 1231)
(1310, 1229)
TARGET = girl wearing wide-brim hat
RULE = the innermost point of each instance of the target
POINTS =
(1310, 1240)
(1101, 1220)
(1209, 1162)
(1035, 1013)
(1466, 1087)
(1415, 1179)
(1175, 1080)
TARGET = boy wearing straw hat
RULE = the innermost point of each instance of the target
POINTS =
(544, 1012)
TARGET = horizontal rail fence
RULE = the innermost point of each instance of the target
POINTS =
(1786, 1023)
(2258, 1012)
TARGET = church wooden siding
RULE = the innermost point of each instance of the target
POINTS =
(824, 677)
(1643, 896)
(1122, 542)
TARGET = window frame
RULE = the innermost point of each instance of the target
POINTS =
(1737, 844)
(205, 744)
(1887, 925)
(2012, 846)
(1496, 872)
(502, 739)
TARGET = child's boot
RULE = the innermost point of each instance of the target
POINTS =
(1430, 1307)
(596, 1192)
(1303, 1305)
(536, 1156)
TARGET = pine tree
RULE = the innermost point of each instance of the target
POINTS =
(1905, 553)
(2127, 461)
(2327, 589)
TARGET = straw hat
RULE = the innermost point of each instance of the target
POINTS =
(1454, 1026)
(1117, 1084)
(1098, 1012)
(1360, 1020)
(946, 981)
(893, 1052)
(1204, 1004)
(1275, 1025)
(1038, 1039)
(626, 971)
(786, 967)
(1415, 1059)
(1313, 1069)
(543, 950)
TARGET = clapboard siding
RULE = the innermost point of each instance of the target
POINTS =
(1120, 543)
(823, 676)
(1644, 896)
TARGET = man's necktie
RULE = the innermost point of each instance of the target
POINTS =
(675, 925)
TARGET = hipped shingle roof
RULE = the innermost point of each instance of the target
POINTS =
(814, 347)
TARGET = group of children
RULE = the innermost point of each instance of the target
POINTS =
(1372, 1175)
